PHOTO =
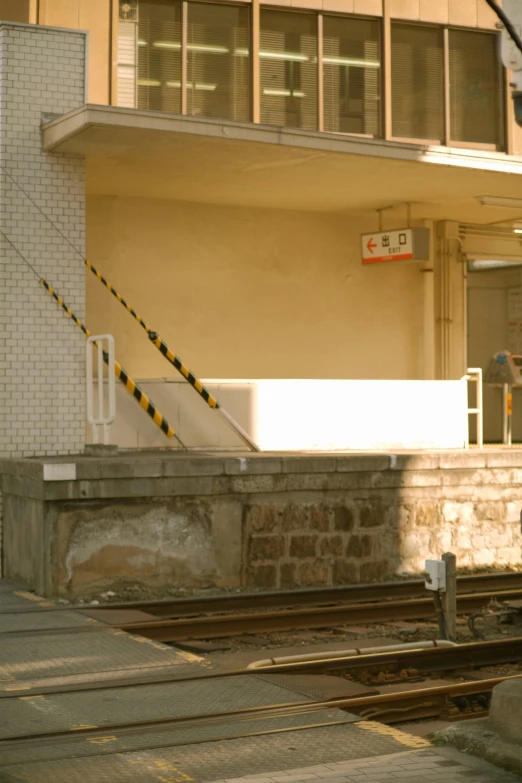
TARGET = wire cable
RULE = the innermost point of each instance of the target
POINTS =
(506, 22)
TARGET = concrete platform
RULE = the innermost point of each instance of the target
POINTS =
(80, 525)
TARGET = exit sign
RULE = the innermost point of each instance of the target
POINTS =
(406, 244)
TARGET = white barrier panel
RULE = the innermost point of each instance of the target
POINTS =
(303, 415)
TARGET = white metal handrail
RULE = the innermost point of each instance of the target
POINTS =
(474, 375)
(105, 414)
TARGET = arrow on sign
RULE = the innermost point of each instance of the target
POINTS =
(371, 244)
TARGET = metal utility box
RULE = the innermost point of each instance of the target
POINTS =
(435, 575)
(504, 368)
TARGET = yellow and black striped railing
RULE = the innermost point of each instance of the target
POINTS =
(175, 361)
(120, 373)
(158, 342)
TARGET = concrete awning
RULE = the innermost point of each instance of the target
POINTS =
(157, 155)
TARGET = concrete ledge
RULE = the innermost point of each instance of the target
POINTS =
(263, 521)
(478, 739)
(497, 739)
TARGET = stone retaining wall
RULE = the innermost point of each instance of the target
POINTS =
(258, 521)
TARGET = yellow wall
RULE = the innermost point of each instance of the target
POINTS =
(14, 10)
(242, 293)
(95, 17)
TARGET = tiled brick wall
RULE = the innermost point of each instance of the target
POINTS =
(42, 353)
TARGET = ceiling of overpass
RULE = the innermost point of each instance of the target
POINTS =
(227, 167)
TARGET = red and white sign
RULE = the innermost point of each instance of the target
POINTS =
(387, 246)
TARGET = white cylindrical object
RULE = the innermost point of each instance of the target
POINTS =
(352, 653)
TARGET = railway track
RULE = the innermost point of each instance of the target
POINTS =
(225, 625)
(441, 701)
(366, 668)
(406, 589)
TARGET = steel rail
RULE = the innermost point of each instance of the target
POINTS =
(472, 654)
(435, 696)
(216, 626)
(410, 588)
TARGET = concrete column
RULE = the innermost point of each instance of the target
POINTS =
(450, 303)
(42, 353)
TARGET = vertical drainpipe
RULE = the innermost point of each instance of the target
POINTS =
(254, 55)
(386, 58)
(429, 311)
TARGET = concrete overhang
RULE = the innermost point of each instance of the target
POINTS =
(157, 155)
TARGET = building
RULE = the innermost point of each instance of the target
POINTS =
(219, 170)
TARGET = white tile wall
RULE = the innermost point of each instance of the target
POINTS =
(42, 353)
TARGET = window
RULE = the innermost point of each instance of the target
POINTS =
(159, 55)
(475, 88)
(288, 69)
(417, 62)
(352, 75)
(218, 63)
(428, 63)
(193, 57)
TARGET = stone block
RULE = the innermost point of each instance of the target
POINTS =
(463, 460)
(509, 556)
(253, 466)
(303, 546)
(307, 482)
(376, 570)
(413, 462)
(182, 466)
(344, 518)
(321, 518)
(287, 577)
(359, 546)
(513, 509)
(253, 484)
(294, 517)
(311, 574)
(88, 469)
(505, 712)
(308, 464)
(490, 512)
(331, 545)
(458, 512)
(262, 576)
(344, 573)
(344, 481)
(372, 514)
(347, 464)
(262, 519)
(426, 515)
(504, 459)
(266, 547)
(416, 543)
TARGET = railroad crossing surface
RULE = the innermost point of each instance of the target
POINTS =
(83, 701)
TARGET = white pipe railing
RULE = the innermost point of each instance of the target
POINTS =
(474, 375)
(101, 414)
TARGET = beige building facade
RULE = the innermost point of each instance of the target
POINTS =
(234, 155)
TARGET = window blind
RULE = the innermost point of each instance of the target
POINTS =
(475, 88)
(417, 63)
(288, 69)
(159, 55)
(218, 61)
(352, 75)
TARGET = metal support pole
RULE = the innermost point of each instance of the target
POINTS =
(449, 598)
(507, 414)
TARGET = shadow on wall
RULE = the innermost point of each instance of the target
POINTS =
(373, 518)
